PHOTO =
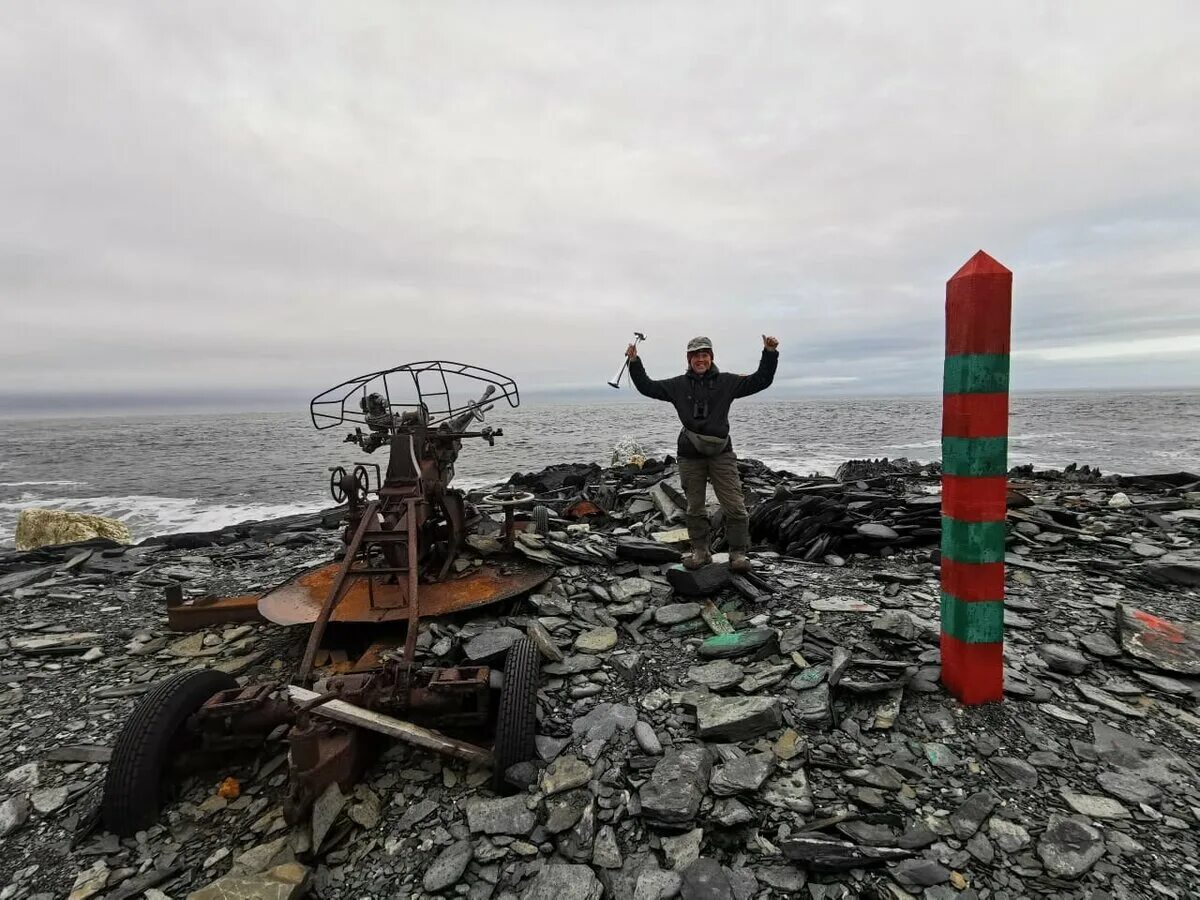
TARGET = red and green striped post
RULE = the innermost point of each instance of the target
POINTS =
(975, 478)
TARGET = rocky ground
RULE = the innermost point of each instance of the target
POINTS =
(813, 754)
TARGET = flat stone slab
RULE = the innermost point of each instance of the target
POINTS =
(672, 795)
(504, 815)
(719, 675)
(737, 718)
(1095, 806)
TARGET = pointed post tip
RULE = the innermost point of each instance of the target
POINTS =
(980, 264)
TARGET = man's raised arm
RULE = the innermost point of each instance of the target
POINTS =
(644, 383)
(761, 380)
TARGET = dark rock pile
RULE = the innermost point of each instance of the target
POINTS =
(779, 735)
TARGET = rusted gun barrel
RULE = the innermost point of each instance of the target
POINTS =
(475, 411)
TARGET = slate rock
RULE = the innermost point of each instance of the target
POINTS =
(680, 851)
(606, 853)
(627, 588)
(968, 818)
(674, 613)
(1129, 788)
(502, 815)
(877, 531)
(598, 640)
(897, 623)
(787, 879)
(705, 879)
(1015, 771)
(742, 776)
(1094, 806)
(14, 812)
(700, 582)
(737, 718)
(920, 873)
(647, 739)
(448, 867)
(672, 795)
(563, 811)
(285, 882)
(1009, 836)
(649, 552)
(564, 882)
(718, 676)
(1063, 659)
(491, 644)
(790, 791)
(1100, 645)
(1069, 847)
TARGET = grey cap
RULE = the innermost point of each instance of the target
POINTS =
(699, 343)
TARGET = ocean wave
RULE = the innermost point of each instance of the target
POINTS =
(150, 515)
(32, 483)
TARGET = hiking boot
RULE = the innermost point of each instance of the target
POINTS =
(697, 558)
(738, 561)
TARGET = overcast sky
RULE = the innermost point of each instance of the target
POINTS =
(230, 202)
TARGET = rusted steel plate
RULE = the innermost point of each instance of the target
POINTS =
(192, 615)
(297, 602)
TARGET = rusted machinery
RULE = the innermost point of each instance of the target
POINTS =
(405, 529)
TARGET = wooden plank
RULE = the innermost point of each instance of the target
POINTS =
(347, 713)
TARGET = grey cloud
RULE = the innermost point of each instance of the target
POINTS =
(269, 198)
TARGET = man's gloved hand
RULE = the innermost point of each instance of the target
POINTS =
(631, 351)
(769, 342)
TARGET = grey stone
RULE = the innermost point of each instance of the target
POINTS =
(719, 675)
(628, 588)
(1063, 659)
(598, 640)
(416, 813)
(920, 873)
(1015, 771)
(788, 879)
(744, 775)
(491, 644)
(1100, 645)
(325, 812)
(672, 795)
(564, 774)
(674, 613)
(969, 817)
(1129, 788)
(737, 718)
(789, 791)
(730, 813)
(563, 811)
(449, 866)
(813, 706)
(14, 812)
(647, 739)
(1094, 806)
(564, 882)
(503, 815)
(654, 883)
(605, 852)
(897, 623)
(1010, 836)
(705, 880)
(604, 721)
(682, 850)
(1069, 847)
(877, 530)
(49, 800)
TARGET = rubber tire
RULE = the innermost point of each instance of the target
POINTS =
(516, 719)
(133, 787)
(541, 519)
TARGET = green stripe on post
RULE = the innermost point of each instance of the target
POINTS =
(976, 373)
(972, 542)
(973, 623)
(980, 457)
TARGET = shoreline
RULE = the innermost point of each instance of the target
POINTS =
(839, 720)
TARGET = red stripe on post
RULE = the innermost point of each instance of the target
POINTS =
(975, 415)
(973, 582)
(974, 673)
(979, 307)
(971, 499)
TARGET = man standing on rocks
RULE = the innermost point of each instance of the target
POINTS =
(702, 397)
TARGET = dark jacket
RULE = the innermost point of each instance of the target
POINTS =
(703, 402)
